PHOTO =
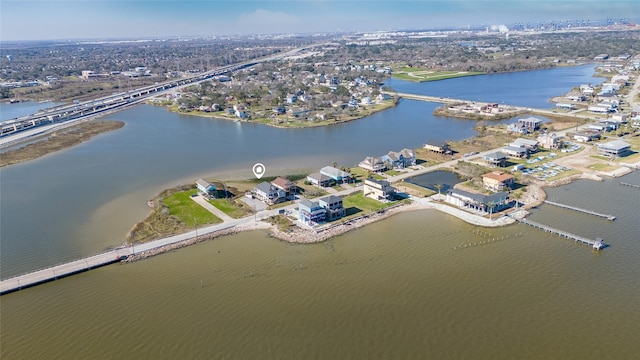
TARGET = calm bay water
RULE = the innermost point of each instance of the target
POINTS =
(395, 289)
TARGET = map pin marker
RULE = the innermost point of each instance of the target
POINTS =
(258, 170)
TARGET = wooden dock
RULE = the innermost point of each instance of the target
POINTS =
(630, 185)
(63, 270)
(595, 244)
(564, 206)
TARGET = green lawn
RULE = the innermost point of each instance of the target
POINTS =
(367, 205)
(188, 211)
(230, 208)
(602, 167)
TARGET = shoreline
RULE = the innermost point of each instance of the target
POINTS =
(59, 140)
(263, 120)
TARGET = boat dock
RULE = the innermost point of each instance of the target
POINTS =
(564, 206)
(630, 185)
(595, 244)
(63, 270)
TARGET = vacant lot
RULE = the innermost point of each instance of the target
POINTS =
(421, 74)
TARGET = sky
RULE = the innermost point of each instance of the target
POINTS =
(108, 19)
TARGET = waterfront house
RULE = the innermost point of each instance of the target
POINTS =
(478, 202)
(440, 147)
(496, 159)
(497, 181)
(297, 112)
(311, 212)
(206, 188)
(401, 159)
(269, 193)
(286, 186)
(319, 179)
(337, 175)
(373, 164)
(378, 189)
(615, 148)
(531, 123)
(333, 207)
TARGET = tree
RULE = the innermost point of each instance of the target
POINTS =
(491, 204)
(439, 187)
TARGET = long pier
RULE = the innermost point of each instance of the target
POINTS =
(595, 244)
(586, 211)
(63, 270)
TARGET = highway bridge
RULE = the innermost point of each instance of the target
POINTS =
(117, 101)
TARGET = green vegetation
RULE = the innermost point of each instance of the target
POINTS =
(365, 204)
(602, 167)
(188, 211)
(359, 174)
(422, 74)
(232, 208)
(413, 189)
(59, 140)
(174, 213)
(282, 222)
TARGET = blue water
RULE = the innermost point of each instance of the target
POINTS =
(528, 88)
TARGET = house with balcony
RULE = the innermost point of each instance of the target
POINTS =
(615, 148)
(333, 207)
(530, 145)
(439, 147)
(205, 188)
(310, 212)
(496, 159)
(372, 164)
(269, 193)
(285, 186)
(478, 202)
(497, 181)
(400, 160)
(336, 175)
(319, 179)
(378, 189)
(549, 141)
(531, 124)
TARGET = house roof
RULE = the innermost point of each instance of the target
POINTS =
(330, 199)
(372, 161)
(382, 183)
(530, 120)
(264, 187)
(282, 183)
(527, 142)
(513, 149)
(333, 172)
(498, 176)
(319, 177)
(205, 184)
(480, 198)
(615, 145)
(495, 156)
(309, 204)
(407, 153)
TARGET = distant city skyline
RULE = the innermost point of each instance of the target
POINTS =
(108, 19)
